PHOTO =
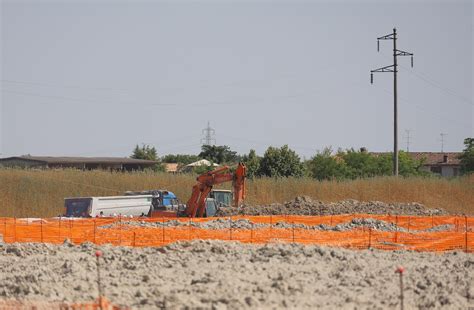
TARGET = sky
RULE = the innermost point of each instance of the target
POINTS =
(96, 78)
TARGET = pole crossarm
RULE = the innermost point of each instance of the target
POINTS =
(390, 68)
(402, 53)
(386, 37)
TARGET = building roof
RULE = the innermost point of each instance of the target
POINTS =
(437, 158)
(171, 167)
(202, 162)
(82, 160)
(432, 158)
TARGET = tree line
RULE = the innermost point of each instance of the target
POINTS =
(324, 165)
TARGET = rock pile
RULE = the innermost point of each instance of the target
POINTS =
(227, 223)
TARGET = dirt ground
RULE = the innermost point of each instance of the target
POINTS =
(229, 275)
(304, 205)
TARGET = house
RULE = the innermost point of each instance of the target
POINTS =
(199, 163)
(444, 164)
(171, 167)
(83, 163)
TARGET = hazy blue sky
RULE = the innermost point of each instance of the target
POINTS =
(94, 78)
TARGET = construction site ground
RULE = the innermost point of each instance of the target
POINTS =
(232, 275)
(217, 274)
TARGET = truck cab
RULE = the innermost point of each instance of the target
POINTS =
(162, 200)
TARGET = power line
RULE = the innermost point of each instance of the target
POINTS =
(438, 86)
(394, 69)
(62, 86)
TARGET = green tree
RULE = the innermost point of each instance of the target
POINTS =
(467, 156)
(145, 152)
(148, 153)
(252, 163)
(218, 153)
(325, 166)
(360, 164)
(281, 162)
(407, 166)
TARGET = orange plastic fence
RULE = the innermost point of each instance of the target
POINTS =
(460, 236)
(101, 303)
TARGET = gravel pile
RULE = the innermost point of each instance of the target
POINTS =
(306, 206)
(228, 275)
(226, 223)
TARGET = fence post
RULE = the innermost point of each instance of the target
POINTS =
(163, 230)
(251, 233)
(189, 229)
(41, 228)
(396, 228)
(14, 229)
(293, 232)
(465, 219)
(432, 221)
(59, 233)
(5, 229)
(70, 229)
(134, 239)
(230, 227)
(370, 237)
(409, 217)
(120, 231)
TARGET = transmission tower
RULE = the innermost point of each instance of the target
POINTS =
(392, 68)
(442, 141)
(209, 134)
(407, 138)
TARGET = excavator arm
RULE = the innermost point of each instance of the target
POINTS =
(196, 205)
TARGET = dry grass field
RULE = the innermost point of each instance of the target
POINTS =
(40, 193)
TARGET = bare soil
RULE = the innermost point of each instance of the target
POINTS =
(230, 275)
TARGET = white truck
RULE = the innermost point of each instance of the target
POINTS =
(139, 205)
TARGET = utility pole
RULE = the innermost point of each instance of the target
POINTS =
(208, 135)
(392, 68)
(442, 141)
(407, 137)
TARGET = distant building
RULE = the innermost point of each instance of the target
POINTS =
(171, 167)
(444, 164)
(83, 163)
(199, 163)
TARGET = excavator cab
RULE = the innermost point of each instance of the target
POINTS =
(223, 197)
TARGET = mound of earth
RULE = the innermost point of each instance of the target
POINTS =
(306, 206)
(230, 275)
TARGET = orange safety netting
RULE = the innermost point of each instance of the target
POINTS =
(457, 235)
(101, 303)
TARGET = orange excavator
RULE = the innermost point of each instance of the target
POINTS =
(196, 205)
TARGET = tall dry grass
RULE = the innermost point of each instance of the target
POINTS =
(40, 193)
